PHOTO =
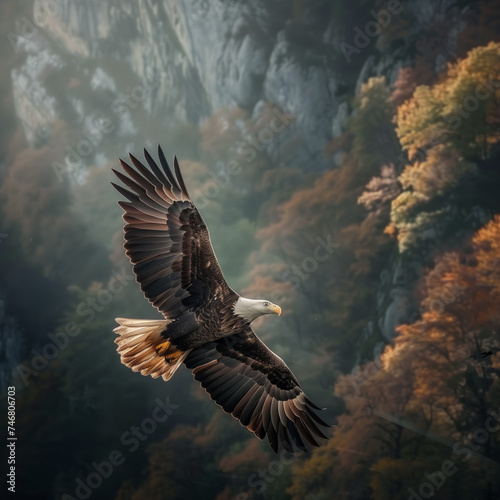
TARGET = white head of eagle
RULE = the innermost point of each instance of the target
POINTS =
(250, 309)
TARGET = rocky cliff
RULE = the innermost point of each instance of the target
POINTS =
(201, 56)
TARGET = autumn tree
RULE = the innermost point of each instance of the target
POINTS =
(428, 396)
(447, 131)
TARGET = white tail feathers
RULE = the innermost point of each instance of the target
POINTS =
(143, 349)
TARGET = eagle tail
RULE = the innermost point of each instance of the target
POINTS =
(143, 348)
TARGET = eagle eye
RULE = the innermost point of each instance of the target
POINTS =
(266, 304)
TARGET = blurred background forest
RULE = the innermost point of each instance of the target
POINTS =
(344, 154)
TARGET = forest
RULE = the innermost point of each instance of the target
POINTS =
(379, 238)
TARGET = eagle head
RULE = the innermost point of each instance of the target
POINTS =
(250, 309)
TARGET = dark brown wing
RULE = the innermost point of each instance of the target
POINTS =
(252, 383)
(166, 239)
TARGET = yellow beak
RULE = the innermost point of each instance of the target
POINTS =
(276, 309)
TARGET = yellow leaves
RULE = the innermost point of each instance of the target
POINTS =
(413, 226)
(440, 127)
(451, 105)
(414, 117)
(373, 92)
(438, 173)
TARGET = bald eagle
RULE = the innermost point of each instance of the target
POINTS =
(206, 324)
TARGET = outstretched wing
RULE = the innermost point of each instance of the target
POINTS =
(166, 239)
(252, 383)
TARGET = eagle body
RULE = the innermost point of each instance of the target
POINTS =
(206, 325)
(211, 322)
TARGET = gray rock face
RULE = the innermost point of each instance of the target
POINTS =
(394, 298)
(227, 44)
(307, 91)
(35, 107)
(202, 55)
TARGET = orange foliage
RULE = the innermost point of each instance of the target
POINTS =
(433, 384)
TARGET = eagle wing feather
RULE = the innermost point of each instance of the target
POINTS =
(166, 238)
(245, 378)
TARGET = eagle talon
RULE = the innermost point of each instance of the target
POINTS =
(163, 348)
